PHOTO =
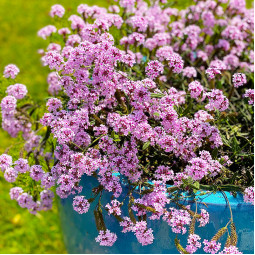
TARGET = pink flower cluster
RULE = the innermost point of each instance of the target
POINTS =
(154, 69)
(11, 71)
(239, 79)
(175, 62)
(204, 219)
(230, 250)
(211, 247)
(196, 90)
(178, 220)
(217, 101)
(80, 204)
(143, 234)
(54, 83)
(19, 91)
(189, 72)
(14, 120)
(119, 110)
(201, 166)
(47, 31)
(57, 10)
(193, 243)
(249, 195)
(25, 200)
(249, 93)
(106, 238)
(114, 207)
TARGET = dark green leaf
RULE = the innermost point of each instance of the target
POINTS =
(99, 219)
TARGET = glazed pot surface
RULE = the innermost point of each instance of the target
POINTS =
(80, 231)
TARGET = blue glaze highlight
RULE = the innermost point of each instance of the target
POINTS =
(80, 230)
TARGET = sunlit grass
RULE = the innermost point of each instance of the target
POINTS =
(21, 232)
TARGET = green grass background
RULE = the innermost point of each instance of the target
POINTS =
(21, 232)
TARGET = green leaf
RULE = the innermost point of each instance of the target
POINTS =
(235, 145)
(99, 219)
(118, 218)
(232, 180)
(147, 208)
(225, 141)
(179, 246)
(187, 110)
(196, 185)
(155, 95)
(215, 153)
(130, 212)
(146, 145)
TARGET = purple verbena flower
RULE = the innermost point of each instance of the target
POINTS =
(11, 71)
(239, 79)
(106, 238)
(57, 10)
(80, 204)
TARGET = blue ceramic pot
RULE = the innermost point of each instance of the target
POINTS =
(80, 231)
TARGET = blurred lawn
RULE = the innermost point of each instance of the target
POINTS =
(21, 232)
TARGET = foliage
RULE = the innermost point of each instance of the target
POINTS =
(114, 125)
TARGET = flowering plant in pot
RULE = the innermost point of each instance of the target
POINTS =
(149, 101)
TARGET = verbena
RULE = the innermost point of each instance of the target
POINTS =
(143, 96)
